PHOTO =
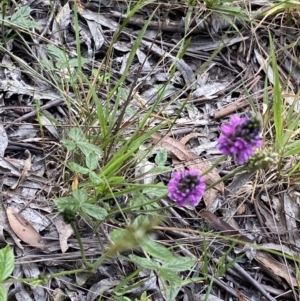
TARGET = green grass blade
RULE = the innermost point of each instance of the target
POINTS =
(277, 98)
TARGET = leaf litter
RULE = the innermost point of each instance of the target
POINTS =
(30, 150)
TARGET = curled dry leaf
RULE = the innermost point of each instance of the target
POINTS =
(24, 230)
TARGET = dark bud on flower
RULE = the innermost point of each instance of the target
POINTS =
(188, 183)
(186, 188)
(251, 128)
(263, 159)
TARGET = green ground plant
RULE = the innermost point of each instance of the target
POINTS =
(103, 146)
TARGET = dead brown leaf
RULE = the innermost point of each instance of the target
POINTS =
(224, 228)
(276, 267)
(24, 230)
(179, 150)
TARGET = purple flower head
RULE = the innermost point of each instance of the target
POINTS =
(240, 137)
(186, 188)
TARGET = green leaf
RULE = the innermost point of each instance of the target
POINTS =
(86, 148)
(57, 54)
(172, 292)
(140, 221)
(277, 98)
(170, 276)
(293, 151)
(95, 178)
(159, 191)
(76, 134)
(74, 62)
(47, 64)
(22, 18)
(146, 263)
(161, 157)
(117, 235)
(3, 293)
(156, 250)
(80, 195)
(293, 144)
(123, 240)
(138, 199)
(67, 202)
(78, 168)
(160, 169)
(91, 161)
(180, 264)
(95, 211)
(7, 263)
(224, 267)
(70, 145)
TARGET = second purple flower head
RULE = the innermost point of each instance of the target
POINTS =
(186, 188)
(240, 137)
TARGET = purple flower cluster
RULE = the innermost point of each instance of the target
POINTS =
(186, 188)
(240, 137)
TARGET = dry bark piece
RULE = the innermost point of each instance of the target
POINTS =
(24, 230)
(224, 228)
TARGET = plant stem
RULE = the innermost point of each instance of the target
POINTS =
(86, 263)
